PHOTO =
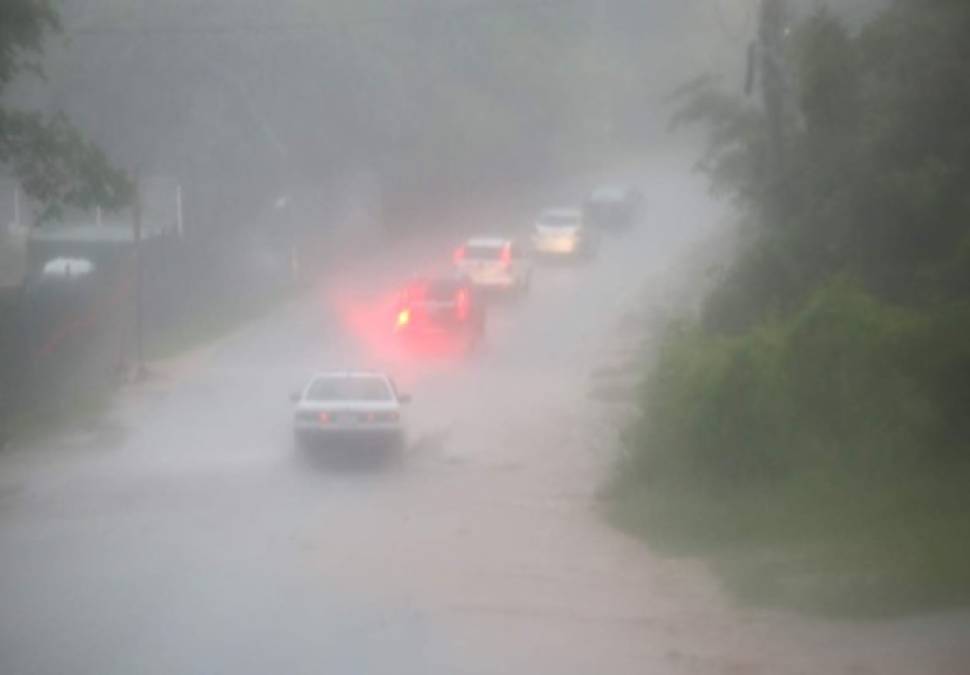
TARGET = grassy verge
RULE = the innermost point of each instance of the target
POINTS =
(818, 463)
(854, 550)
(216, 321)
(72, 412)
(76, 404)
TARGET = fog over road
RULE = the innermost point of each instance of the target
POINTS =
(187, 534)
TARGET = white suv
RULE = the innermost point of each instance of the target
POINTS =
(563, 233)
(494, 263)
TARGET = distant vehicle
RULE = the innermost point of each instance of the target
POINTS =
(441, 311)
(563, 233)
(494, 264)
(67, 268)
(614, 207)
(349, 406)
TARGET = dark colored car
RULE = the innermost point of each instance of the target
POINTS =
(614, 208)
(440, 313)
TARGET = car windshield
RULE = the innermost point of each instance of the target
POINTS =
(609, 195)
(443, 290)
(483, 252)
(350, 388)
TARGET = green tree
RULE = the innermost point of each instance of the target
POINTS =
(873, 184)
(53, 161)
(819, 412)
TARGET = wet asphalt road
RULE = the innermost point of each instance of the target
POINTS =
(186, 533)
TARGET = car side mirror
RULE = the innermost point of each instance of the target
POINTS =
(295, 396)
(404, 399)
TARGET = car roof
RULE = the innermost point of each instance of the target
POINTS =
(347, 374)
(611, 192)
(450, 276)
(417, 289)
(494, 242)
(561, 213)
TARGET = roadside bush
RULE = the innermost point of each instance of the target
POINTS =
(765, 279)
(837, 382)
(810, 435)
(708, 410)
(823, 450)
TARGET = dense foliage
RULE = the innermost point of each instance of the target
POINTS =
(877, 163)
(53, 161)
(820, 401)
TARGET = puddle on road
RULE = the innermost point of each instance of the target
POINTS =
(442, 446)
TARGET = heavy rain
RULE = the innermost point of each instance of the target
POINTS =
(484, 336)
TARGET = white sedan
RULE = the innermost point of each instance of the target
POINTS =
(348, 406)
(494, 263)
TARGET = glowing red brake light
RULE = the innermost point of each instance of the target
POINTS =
(507, 254)
(403, 318)
(461, 304)
(459, 254)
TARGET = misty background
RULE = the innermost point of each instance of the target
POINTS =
(246, 102)
(762, 379)
(268, 137)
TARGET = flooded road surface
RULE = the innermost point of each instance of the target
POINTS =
(187, 534)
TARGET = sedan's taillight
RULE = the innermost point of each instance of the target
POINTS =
(324, 418)
(461, 304)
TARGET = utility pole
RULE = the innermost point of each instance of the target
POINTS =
(139, 283)
(16, 206)
(179, 219)
(601, 96)
(771, 36)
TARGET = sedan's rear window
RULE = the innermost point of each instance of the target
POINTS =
(353, 388)
(442, 291)
(481, 252)
(560, 220)
(609, 195)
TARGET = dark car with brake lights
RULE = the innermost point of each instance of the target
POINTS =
(614, 207)
(443, 312)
